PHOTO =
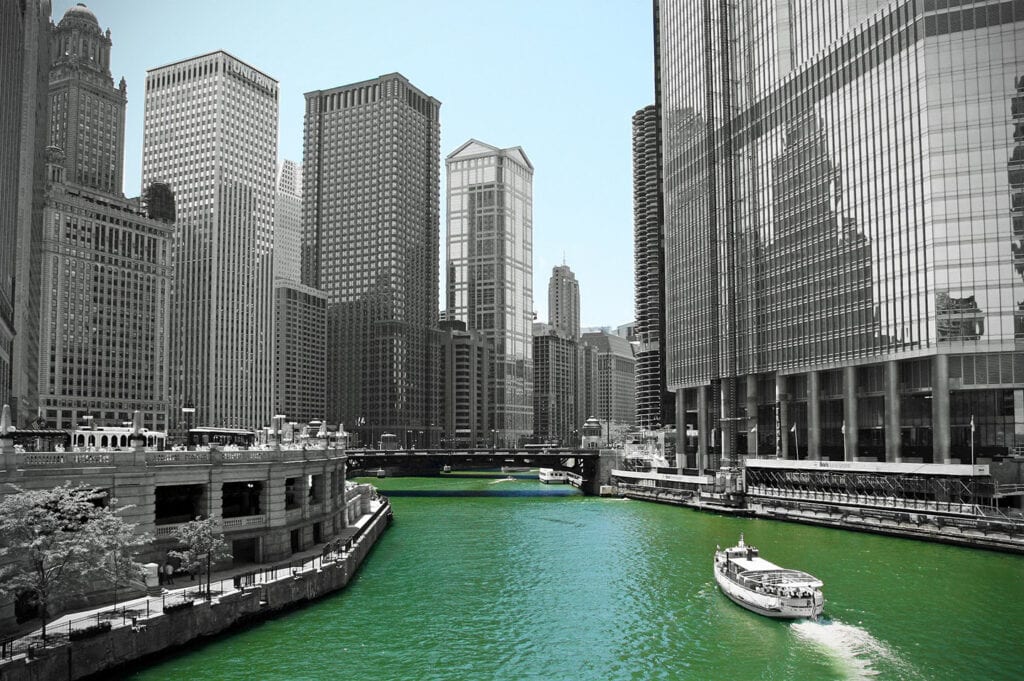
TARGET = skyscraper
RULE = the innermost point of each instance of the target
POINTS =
(24, 67)
(490, 270)
(288, 222)
(211, 135)
(614, 383)
(556, 416)
(842, 238)
(564, 301)
(655, 405)
(371, 222)
(105, 260)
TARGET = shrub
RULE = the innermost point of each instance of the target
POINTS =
(173, 607)
(90, 631)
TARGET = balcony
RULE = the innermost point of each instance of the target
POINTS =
(244, 522)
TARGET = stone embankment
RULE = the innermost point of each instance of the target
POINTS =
(979, 532)
(165, 631)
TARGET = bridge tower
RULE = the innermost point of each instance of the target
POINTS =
(591, 434)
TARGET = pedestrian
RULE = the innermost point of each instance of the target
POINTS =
(168, 573)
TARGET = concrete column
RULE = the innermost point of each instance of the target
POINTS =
(813, 415)
(681, 396)
(940, 410)
(752, 448)
(782, 449)
(703, 428)
(893, 441)
(850, 413)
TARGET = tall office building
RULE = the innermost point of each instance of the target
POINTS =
(614, 383)
(211, 135)
(24, 69)
(288, 222)
(300, 351)
(655, 405)
(564, 301)
(490, 271)
(467, 366)
(556, 416)
(843, 233)
(105, 272)
(370, 235)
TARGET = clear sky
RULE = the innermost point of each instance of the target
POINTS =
(561, 78)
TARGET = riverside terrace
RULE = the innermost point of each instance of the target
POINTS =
(272, 503)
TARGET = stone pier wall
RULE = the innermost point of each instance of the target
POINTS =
(162, 632)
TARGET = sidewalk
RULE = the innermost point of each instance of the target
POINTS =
(136, 611)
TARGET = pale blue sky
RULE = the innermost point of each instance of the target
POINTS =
(561, 78)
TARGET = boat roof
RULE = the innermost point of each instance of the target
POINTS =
(767, 572)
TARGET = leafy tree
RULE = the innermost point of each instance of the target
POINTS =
(54, 542)
(204, 547)
(119, 566)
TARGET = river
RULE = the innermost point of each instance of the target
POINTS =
(484, 578)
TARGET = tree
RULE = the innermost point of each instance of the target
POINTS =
(119, 566)
(204, 546)
(54, 542)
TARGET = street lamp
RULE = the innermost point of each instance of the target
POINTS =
(494, 441)
(187, 410)
(278, 422)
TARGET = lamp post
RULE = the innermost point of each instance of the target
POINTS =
(494, 441)
(278, 422)
(186, 413)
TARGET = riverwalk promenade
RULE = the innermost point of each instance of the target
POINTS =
(85, 643)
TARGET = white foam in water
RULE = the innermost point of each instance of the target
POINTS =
(855, 648)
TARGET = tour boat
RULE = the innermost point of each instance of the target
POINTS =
(551, 476)
(764, 587)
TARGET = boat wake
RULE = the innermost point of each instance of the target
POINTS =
(854, 648)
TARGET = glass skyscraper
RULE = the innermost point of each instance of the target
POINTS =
(370, 239)
(490, 271)
(844, 227)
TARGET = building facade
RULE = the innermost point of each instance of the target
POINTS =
(86, 111)
(655, 405)
(614, 384)
(490, 271)
(564, 301)
(467, 363)
(300, 351)
(370, 238)
(556, 411)
(105, 266)
(843, 270)
(24, 69)
(105, 304)
(288, 222)
(211, 135)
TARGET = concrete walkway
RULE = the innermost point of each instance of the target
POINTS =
(135, 611)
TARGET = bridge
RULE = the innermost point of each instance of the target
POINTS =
(588, 468)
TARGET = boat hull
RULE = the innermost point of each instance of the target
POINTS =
(771, 606)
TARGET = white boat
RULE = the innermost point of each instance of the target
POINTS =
(550, 476)
(764, 587)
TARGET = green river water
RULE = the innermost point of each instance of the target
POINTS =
(484, 578)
